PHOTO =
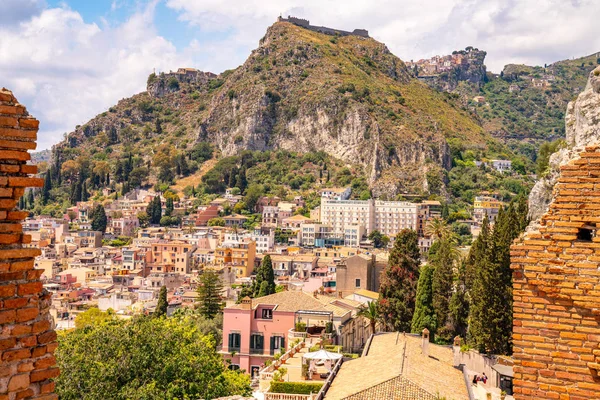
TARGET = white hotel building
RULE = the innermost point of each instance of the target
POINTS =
(388, 217)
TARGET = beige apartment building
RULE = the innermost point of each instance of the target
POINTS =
(170, 256)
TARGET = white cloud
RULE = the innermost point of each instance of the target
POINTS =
(66, 71)
(523, 31)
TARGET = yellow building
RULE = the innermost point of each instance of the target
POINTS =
(239, 254)
(485, 205)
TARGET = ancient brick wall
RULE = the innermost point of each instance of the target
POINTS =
(27, 339)
(557, 291)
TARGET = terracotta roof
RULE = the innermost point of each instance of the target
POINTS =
(398, 388)
(392, 355)
(292, 301)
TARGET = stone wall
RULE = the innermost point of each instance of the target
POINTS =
(27, 339)
(557, 291)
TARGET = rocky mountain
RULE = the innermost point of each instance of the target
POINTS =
(582, 125)
(301, 91)
(445, 73)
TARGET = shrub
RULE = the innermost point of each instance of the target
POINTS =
(173, 83)
(300, 327)
(151, 79)
(295, 387)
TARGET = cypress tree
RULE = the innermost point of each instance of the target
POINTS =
(154, 210)
(46, 188)
(491, 307)
(264, 274)
(169, 207)
(424, 316)
(99, 220)
(30, 199)
(162, 304)
(84, 193)
(209, 294)
(459, 305)
(443, 262)
(399, 282)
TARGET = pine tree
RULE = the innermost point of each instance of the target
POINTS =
(424, 316)
(162, 304)
(99, 220)
(399, 282)
(265, 274)
(46, 188)
(209, 294)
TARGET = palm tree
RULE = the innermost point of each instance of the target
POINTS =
(371, 313)
(438, 229)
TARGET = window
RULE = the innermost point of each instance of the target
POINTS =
(267, 313)
(357, 283)
(277, 343)
(234, 341)
(256, 343)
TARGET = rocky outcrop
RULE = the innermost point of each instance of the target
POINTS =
(582, 122)
(165, 83)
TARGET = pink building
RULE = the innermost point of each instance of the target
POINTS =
(256, 329)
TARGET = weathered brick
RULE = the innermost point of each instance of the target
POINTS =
(19, 253)
(29, 169)
(27, 314)
(18, 382)
(16, 181)
(30, 134)
(44, 374)
(47, 337)
(17, 144)
(14, 155)
(9, 122)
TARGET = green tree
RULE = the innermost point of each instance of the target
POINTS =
(154, 210)
(253, 194)
(143, 219)
(399, 281)
(46, 188)
(209, 298)
(169, 206)
(264, 284)
(94, 317)
(459, 304)
(144, 358)
(99, 220)
(162, 304)
(218, 221)
(424, 316)
(442, 284)
(379, 240)
(490, 312)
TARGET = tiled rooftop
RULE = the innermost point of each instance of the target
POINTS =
(391, 355)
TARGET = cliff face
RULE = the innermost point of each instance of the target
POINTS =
(582, 123)
(348, 96)
(302, 91)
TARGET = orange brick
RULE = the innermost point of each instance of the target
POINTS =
(42, 375)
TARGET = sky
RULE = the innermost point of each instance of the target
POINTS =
(69, 60)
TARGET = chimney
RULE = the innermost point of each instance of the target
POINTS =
(457, 340)
(425, 342)
(246, 303)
